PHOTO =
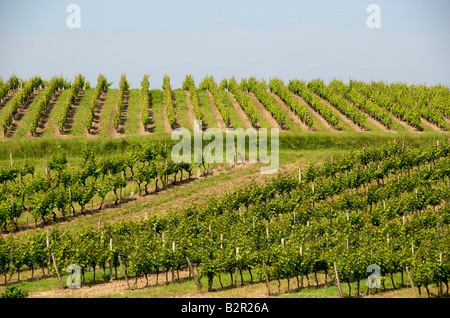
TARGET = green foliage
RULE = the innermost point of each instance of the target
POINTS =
(14, 292)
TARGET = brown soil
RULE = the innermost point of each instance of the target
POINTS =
(190, 113)
(404, 124)
(117, 286)
(316, 115)
(245, 120)
(295, 118)
(263, 110)
(219, 120)
(429, 124)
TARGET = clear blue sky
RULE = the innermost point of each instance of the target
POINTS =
(283, 38)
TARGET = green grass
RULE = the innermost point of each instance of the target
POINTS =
(106, 115)
(235, 119)
(205, 108)
(23, 126)
(182, 109)
(133, 121)
(78, 128)
(157, 104)
(52, 124)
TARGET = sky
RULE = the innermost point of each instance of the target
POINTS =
(288, 39)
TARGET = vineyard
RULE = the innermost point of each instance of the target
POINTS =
(386, 205)
(27, 108)
(87, 179)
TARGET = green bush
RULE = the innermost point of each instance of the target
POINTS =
(14, 292)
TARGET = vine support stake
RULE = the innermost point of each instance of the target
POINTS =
(10, 158)
(267, 279)
(124, 271)
(338, 282)
(110, 261)
(57, 272)
(410, 280)
(193, 273)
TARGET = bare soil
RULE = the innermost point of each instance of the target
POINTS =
(429, 124)
(190, 112)
(245, 120)
(219, 120)
(408, 127)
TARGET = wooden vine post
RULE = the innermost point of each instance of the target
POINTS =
(193, 273)
(124, 271)
(338, 282)
(57, 272)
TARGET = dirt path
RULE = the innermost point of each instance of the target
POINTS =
(404, 124)
(342, 116)
(245, 120)
(429, 124)
(263, 110)
(317, 116)
(119, 286)
(219, 120)
(190, 112)
(295, 118)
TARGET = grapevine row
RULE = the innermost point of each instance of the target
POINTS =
(338, 101)
(243, 99)
(281, 236)
(360, 101)
(123, 87)
(377, 93)
(189, 84)
(277, 86)
(259, 88)
(18, 99)
(102, 85)
(77, 85)
(43, 101)
(12, 83)
(299, 87)
(210, 84)
(145, 103)
(168, 101)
